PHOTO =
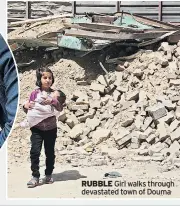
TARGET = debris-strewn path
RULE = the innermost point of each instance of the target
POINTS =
(134, 119)
(129, 119)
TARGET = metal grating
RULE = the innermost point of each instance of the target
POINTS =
(168, 11)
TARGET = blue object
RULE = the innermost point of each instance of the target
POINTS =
(129, 21)
(73, 43)
(8, 91)
(80, 19)
(112, 174)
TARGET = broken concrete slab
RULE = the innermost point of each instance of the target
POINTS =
(149, 131)
(116, 95)
(76, 94)
(144, 152)
(95, 104)
(161, 98)
(132, 96)
(83, 107)
(168, 118)
(79, 112)
(70, 123)
(88, 145)
(174, 147)
(92, 123)
(172, 66)
(165, 47)
(171, 76)
(138, 121)
(143, 136)
(86, 131)
(157, 148)
(97, 87)
(82, 100)
(106, 115)
(177, 52)
(174, 125)
(89, 115)
(82, 83)
(168, 141)
(95, 95)
(135, 141)
(174, 82)
(124, 141)
(76, 131)
(177, 113)
(63, 127)
(83, 141)
(62, 117)
(126, 104)
(175, 135)
(128, 119)
(163, 131)
(66, 141)
(151, 138)
(142, 96)
(157, 111)
(138, 72)
(99, 162)
(122, 132)
(73, 117)
(175, 99)
(100, 135)
(119, 78)
(147, 123)
(126, 64)
(169, 105)
(158, 158)
(122, 89)
(141, 158)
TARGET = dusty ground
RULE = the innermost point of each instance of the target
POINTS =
(68, 181)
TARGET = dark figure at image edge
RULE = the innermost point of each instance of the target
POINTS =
(8, 91)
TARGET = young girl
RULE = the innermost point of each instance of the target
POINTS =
(46, 130)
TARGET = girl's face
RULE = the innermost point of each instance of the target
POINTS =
(46, 80)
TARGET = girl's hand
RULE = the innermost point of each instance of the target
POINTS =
(47, 101)
(29, 105)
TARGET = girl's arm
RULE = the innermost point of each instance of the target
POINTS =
(30, 103)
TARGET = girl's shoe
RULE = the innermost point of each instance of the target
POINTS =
(48, 179)
(33, 182)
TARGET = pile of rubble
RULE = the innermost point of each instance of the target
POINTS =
(135, 108)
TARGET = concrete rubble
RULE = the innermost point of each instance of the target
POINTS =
(136, 108)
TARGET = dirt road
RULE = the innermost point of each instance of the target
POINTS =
(68, 182)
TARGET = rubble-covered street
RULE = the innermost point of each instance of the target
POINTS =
(129, 116)
(125, 120)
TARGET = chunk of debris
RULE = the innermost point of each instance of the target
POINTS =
(157, 111)
(100, 135)
(76, 131)
(97, 87)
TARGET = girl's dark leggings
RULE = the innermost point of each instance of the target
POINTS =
(37, 139)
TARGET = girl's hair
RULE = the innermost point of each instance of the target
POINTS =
(39, 73)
